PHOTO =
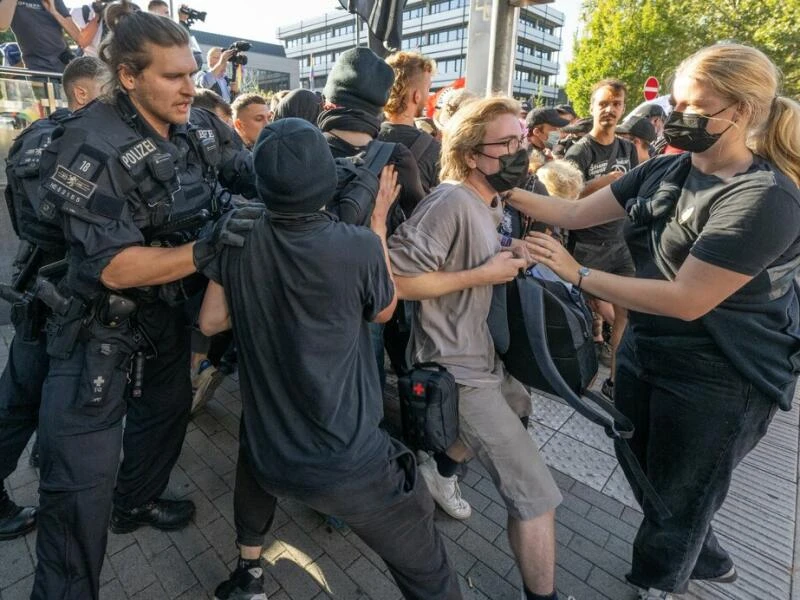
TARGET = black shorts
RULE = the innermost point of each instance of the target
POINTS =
(611, 257)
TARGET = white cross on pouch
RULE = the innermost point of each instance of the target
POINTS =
(98, 384)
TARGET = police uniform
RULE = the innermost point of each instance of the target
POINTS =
(26, 368)
(113, 183)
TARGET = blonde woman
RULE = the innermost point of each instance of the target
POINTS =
(714, 343)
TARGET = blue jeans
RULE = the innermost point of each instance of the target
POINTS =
(696, 417)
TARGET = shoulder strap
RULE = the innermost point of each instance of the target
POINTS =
(85, 9)
(421, 145)
(377, 155)
(593, 407)
(612, 159)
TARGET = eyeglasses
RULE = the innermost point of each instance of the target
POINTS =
(512, 145)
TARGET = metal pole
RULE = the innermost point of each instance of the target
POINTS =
(492, 46)
(170, 9)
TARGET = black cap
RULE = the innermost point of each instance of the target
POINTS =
(545, 116)
(648, 111)
(295, 171)
(525, 106)
(580, 126)
(567, 108)
(360, 79)
(638, 127)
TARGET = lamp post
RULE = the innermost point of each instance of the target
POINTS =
(492, 43)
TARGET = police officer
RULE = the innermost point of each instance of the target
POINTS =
(40, 244)
(130, 180)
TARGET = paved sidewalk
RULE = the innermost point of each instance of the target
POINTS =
(309, 560)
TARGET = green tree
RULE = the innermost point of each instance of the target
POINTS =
(634, 39)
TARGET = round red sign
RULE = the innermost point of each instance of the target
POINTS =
(651, 89)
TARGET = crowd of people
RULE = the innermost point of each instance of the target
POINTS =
(163, 210)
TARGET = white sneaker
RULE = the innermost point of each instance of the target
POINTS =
(654, 594)
(205, 382)
(445, 491)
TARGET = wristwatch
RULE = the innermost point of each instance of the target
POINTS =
(582, 272)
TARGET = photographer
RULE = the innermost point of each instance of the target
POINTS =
(215, 78)
(37, 25)
(91, 15)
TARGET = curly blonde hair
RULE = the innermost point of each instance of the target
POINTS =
(561, 178)
(408, 68)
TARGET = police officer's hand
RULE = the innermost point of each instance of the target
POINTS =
(230, 230)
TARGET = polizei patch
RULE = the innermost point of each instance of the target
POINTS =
(70, 186)
(136, 153)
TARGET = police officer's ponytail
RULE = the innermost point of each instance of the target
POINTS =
(131, 30)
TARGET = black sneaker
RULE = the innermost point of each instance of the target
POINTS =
(243, 584)
(608, 389)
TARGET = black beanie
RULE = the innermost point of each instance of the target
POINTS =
(360, 79)
(300, 103)
(295, 171)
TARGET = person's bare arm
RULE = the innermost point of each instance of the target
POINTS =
(68, 25)
(600, 207)
(140, 266)
(7, 9)
(599, 183)
(214, 313)
(698, 286)
(500, 268)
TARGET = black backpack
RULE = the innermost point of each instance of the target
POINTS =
(543, 332)
(358, 185)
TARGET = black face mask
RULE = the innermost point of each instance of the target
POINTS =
(513, 169)
(687, 131)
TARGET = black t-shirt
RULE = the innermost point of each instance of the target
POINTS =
(407, 171)
(300, 295)
(427, 156)
(747, 224)
(592, 158)
(39, 35)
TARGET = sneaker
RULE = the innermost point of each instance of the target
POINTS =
(204, 383)
(654, 594)
(607, 389)
(445, 491)
(603, 350)
(15, 521)
(728, 576)
(243, 584)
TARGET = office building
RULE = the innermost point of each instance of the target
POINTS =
(438, 29)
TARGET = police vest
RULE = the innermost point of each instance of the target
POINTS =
(22, 175)
(105, 160)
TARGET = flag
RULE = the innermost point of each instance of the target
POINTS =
(311, 73)
(384, 20)
(433, 99)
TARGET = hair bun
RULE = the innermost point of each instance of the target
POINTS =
(117, 12)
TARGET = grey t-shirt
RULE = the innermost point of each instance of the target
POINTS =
(39, 35)
(451, 230)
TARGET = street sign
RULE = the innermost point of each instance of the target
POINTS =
(651, 89)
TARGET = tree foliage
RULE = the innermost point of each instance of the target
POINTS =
(634, 39)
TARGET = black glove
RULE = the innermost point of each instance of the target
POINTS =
(230, 230)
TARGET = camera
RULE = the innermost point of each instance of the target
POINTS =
(239, 48)
(192, 15)
(98, 6)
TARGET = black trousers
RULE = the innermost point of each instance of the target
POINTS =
(20, 397)
(84, 401)
(696, 417)
(384, 505)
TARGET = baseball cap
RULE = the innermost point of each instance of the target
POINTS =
(580, 126)
(567, 108)
(545, 116)
(648, 111)
(638, 127)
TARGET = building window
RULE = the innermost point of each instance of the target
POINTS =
(293, 42)
(343, 30)
(414, 41)
(266, 80)
(316, 37)
(450, 65)
(412, 13)
(446, 35)
(446, 5)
